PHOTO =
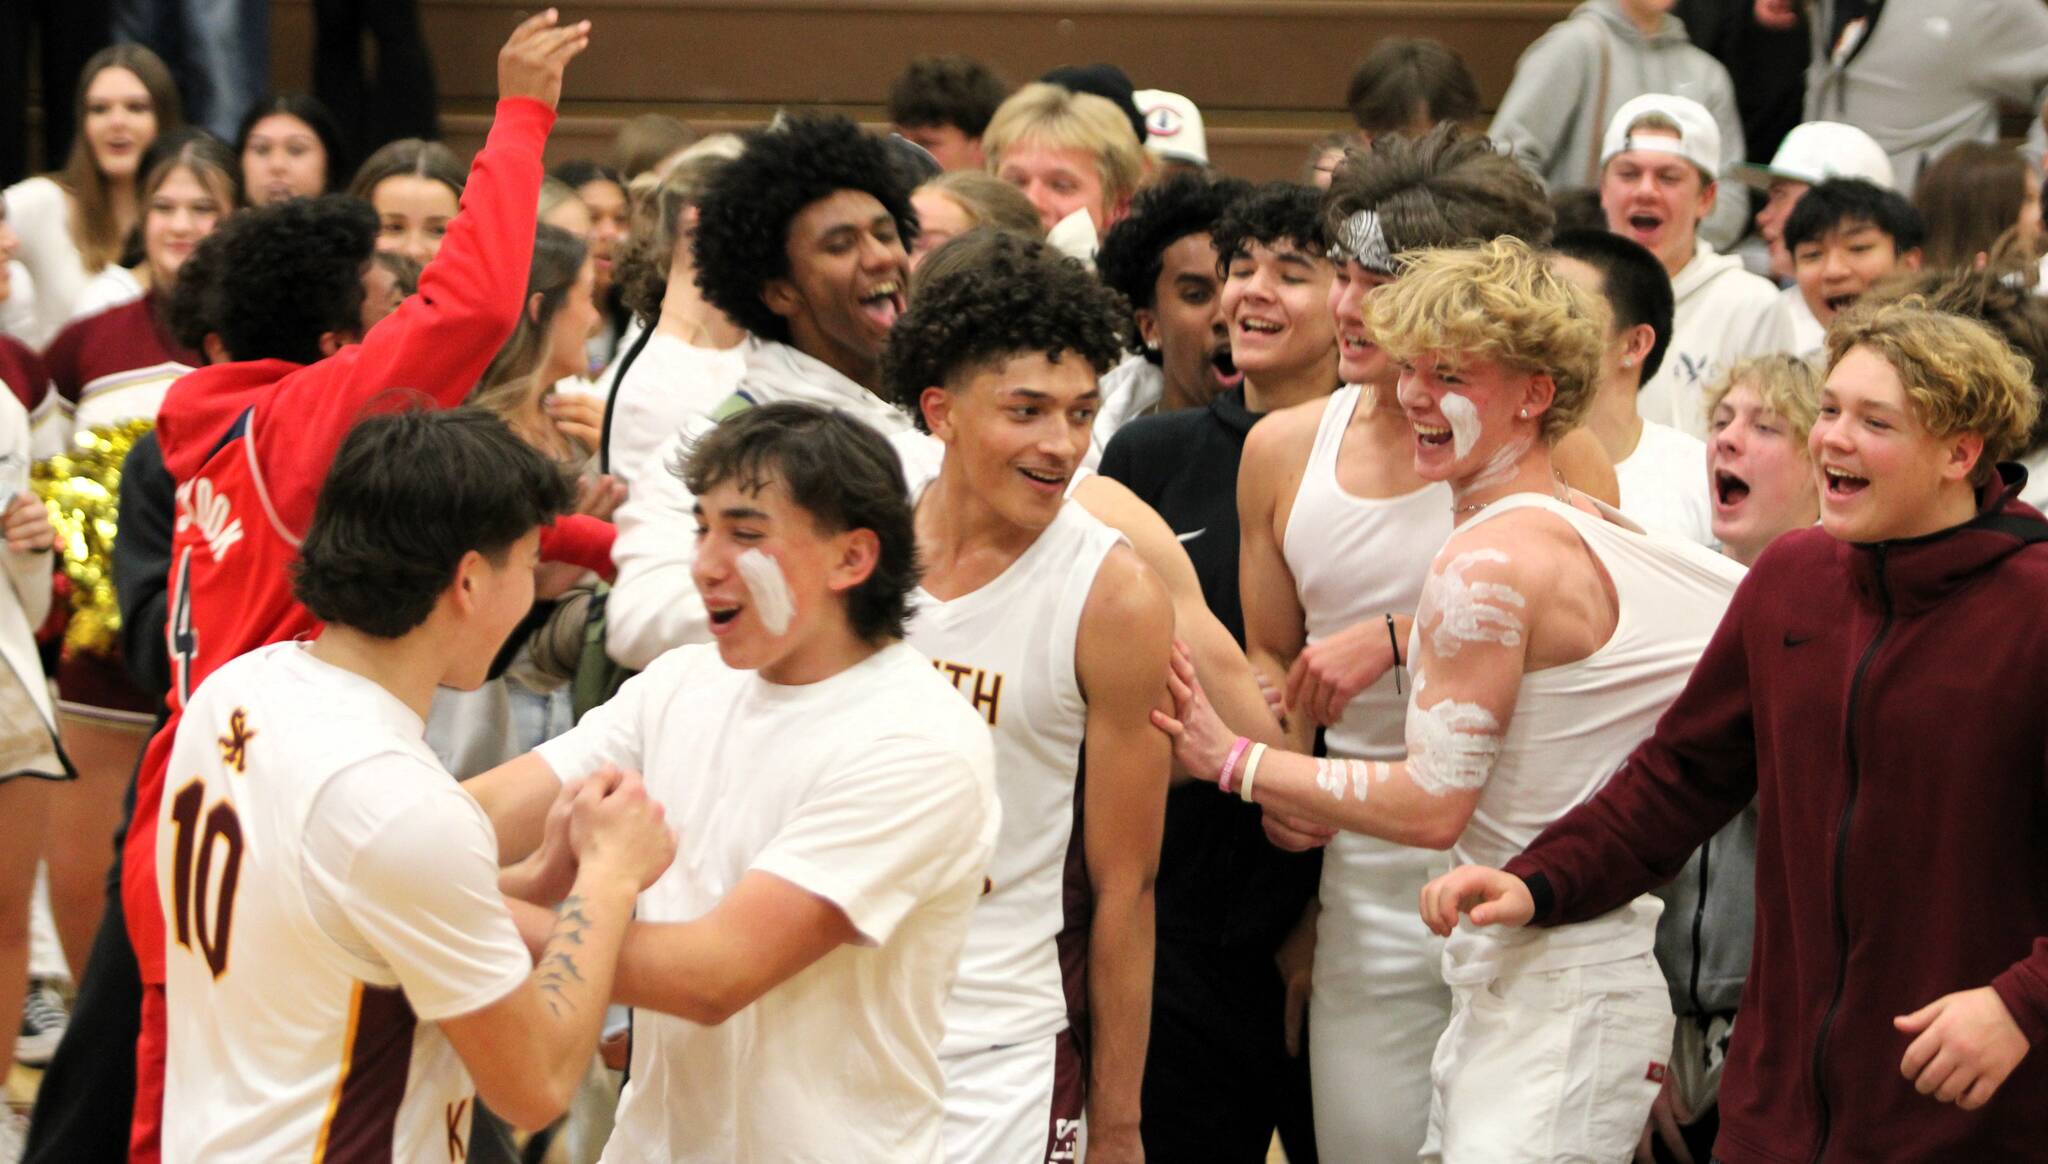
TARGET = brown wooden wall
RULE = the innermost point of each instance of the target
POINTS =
(1269, 75)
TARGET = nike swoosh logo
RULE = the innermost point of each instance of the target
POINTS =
(1792, 640)
(1191, 535)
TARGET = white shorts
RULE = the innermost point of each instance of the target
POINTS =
(1019, 1104)
(1548, 1066)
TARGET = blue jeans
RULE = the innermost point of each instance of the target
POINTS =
(219, 50)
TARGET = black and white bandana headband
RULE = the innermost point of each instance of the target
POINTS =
(1360, 240)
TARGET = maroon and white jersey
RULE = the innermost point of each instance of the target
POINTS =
(1008, 649)
(328, 894)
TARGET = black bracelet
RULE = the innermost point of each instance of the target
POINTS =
(1394, 641)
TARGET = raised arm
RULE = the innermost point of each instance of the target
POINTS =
(441, 339)
(1125, 640)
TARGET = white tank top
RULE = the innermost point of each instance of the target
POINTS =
(1573, 725)
(1355, 559)
(1008, 648)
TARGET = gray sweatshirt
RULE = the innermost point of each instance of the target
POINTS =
(1709, 921)
(1548, 120)
(1930, 75)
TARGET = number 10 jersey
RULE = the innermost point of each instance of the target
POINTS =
(328, 894)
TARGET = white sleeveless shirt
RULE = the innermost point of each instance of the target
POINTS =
(1008, 648)
(1574, 724)
(1355, 559)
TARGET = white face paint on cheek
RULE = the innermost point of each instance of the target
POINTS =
(1474, 612)
(1464, 418)
(1452, 746)
(765, 581)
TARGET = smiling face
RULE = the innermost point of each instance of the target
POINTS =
(1464, 414)
(606, 202)
(1186, 325)
(1759, 476)
(1276, 301)
(182, 211)
(816, 569)
(1058, 181)
(1881, 474)
(1656, 199)
(1015, 431)
(120, 121)
(847, 275)
(1835, 269)
(413, 214)
(283, 158)
(1359, 359)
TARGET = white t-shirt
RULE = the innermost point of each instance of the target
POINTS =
(669, 384)
(1664, 485)
(873, 789)
(110, 288)
(329, 886)
(1807, 333)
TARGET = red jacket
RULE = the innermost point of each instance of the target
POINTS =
(1884, 705)
(249, 445)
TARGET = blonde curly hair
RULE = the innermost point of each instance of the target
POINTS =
(1787, 386)
(1501, 302)
(1959, 376)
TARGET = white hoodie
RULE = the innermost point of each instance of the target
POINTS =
(1725, 315)
(654, 605)
(1130, 390)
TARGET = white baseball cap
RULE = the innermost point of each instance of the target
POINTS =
(1173, 127)
(1698, 140)
(1818, 150)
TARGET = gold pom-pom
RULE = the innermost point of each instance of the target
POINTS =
(82, 488)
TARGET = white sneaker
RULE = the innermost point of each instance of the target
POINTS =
(13, 1136)
(43, 1019)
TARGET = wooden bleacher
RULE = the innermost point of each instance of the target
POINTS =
(1269, 75)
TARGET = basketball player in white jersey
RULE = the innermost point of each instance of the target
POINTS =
(1054, 630)
(1550, 636)
(1339, 529)
(341, 965)
(838, 804)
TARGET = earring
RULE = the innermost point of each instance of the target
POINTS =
(1524, 414)
(1628, 361)
(1151, 345)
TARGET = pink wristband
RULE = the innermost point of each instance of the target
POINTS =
(1230, 763)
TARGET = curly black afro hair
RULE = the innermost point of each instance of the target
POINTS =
(289, 272)
(1134, 250)
(1000, 295)
(743, 217)
(1271, 213)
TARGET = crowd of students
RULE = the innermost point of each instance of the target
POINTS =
(998, 642)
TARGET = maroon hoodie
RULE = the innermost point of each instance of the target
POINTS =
(1887, 706)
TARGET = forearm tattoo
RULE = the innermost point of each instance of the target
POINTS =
(557, 969)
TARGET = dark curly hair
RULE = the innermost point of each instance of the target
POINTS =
(999, 295)
(1271, 213)
(838, 470)
(193, 310)
(464, 482)
(950, 90)
(743, 217)
(1448, 188)
(1133, 251)
(289, 272)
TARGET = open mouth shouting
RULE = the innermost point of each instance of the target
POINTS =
(1836, 304)
(883, 304)
(1840, 484)
(1730, 490)
(1227, 374)
(724, 612)
(1644, 225)
(1430, 436)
